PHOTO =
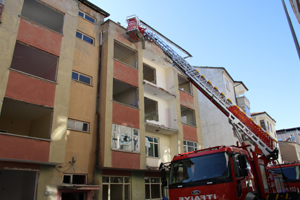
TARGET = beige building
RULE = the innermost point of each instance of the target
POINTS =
(86, 113)
(290, 151)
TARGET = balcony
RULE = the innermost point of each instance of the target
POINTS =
(244, 104)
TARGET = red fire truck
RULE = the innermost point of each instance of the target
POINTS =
(291, 174)
(221, 172)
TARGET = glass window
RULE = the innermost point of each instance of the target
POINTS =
(189, 146)
(78, 125)
(151, 146)
(125, 138)
(116, 188)
(84, 37)
(152, 188)
(290, 172)
(87, 17)
(79, 35)
(82, 78)
(80, 14)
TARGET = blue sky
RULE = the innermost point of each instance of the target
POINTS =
(251, 39)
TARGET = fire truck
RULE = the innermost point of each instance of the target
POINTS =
(221, 172)
(291, 174)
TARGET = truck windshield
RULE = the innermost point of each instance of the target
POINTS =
(290, 172)
(213, 166)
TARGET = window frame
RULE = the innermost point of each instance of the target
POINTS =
(84, 15)
(190, 85)
(116, 137)
(154, 72)
(71, 179)
(156, 105)
(74, 126)
(109, 183)
(82, 35)
(146, 150)
(194, 116)
(150, 188)
(80, 74)
(186, 146)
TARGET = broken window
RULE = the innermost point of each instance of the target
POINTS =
(189, 146)
(184, 84)
(151, 109)
(125, 138)
(75, 179)
(33, 61)
(151, 144)
(84, 37)
(86, 16)
(81, 78)
(125, 93)
(125, 55)
(21, 118)
(187, 116)
(43, 14)
(149, 73)
(78, 125)
(116, 188)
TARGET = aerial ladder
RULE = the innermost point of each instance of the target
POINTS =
(245, 128)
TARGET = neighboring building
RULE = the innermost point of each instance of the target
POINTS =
(44, 45)
(216, 129)
(290, 151)
(148, 115)
(289, 135)
(267, 123)
(86, 113)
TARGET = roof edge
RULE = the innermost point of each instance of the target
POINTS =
(94, 7)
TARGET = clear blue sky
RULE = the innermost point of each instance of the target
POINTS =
(251, 39)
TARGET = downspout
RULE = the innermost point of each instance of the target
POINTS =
(98, 105)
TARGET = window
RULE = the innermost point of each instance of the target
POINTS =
(78, 125)
(82, 78)
(75, 179)
(149, 73)
(152, 188)
(187, 116)
(115, 187)
(184, 85)
(151, 108)
(151, 146)
(262, 124)
(125, 93)
(189, 146)
(84, 37)
(125, 138)
(87, 17)
(125, 55)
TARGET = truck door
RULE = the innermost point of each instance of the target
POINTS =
(242, 179)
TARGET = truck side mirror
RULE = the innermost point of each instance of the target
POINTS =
(242, 161)
(243, 172)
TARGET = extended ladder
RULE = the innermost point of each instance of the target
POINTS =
(243, 125)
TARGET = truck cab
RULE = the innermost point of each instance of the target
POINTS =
(213, 173)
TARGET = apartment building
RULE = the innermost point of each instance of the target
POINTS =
(289, 135)
(290, 151)
(86, 113)
(267, 123)
(216, 129)
(48, 89)
(149, 113)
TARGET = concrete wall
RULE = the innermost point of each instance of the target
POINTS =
(289, 151)
(216, 130)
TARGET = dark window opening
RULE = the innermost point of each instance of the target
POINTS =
(184, 85)
(149, 73)
(125, 93)
(151, 109)
(79, 179)
(73, 196)
(67, 179)
(125, 55)
(187, 116)
(25, 119)
(33, 61)
(43, 14)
